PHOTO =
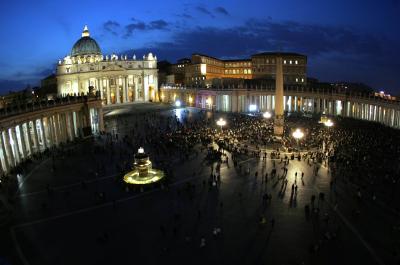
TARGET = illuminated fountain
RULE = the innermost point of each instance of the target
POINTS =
(142, 172)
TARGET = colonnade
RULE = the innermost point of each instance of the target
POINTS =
(371, 109)
(34, 132)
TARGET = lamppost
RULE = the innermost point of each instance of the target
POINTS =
(221, 122)
(297, 134)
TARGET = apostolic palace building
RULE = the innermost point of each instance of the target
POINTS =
(117, 79)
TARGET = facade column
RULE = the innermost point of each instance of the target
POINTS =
(127, 89)
(101, 89)
(108, 91)
(8, 149)
(22, 137)
(117, 90)
(123, 89)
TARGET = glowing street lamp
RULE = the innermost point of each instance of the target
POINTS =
(178, 103)
(297, 134)
(328, 123)
(221, 122)
(267, 115)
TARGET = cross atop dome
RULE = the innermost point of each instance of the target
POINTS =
(85, 32)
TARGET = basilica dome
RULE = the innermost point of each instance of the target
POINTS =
(85, 45)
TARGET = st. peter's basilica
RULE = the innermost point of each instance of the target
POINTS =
(118, 79)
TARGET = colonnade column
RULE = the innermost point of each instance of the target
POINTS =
(3, 147)
(8, 149)
(44, 132)
(51, 130)
(70, 126)
(16, 144)
(77, 124)
(54, 128)
(36, 136)
(63, 127)
(58, 129)
(22, 138)
(28, 134)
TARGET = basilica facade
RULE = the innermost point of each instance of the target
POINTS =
(117, 79)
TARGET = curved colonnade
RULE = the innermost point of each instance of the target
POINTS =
(33, 130)
(296, 99)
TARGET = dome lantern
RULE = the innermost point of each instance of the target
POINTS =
(85, 32)
(85, 45)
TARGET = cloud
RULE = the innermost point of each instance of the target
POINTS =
(204, 10)
(142, 26)
(265, 35)
(371, 58)
(158, 25)
(222, 11)
(111, 27)
(185, 15)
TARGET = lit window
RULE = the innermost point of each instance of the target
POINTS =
(302, 80)
(284, 61)
(297, 80)
(290, 61)
(296, 62)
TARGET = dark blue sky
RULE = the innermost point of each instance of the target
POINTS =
(355, 40)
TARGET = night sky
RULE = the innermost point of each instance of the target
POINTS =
(345, 40)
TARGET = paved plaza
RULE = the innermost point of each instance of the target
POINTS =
(72, 207)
